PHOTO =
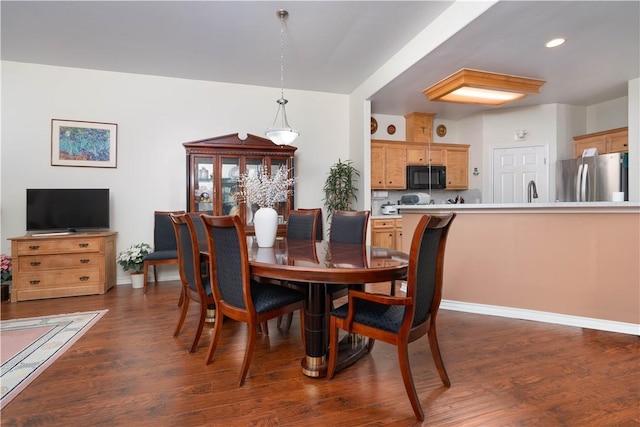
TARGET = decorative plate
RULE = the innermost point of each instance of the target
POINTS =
(391, 129)
(441, 130)
(374, 125)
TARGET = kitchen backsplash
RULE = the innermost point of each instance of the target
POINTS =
(439, 197)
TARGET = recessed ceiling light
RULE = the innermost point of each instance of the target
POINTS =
(554, 42)
(480, 87)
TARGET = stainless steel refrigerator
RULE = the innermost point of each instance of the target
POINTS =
(592, 179)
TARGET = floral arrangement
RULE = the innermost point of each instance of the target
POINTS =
(5, 267)
(132, 258)
(264, 190)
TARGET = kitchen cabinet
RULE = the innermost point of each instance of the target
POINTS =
(63, 265)
(387, 233)
(419, 127)
(419, 154)
(609, 141)
(213, 168)
(388, 165)
(457, 162)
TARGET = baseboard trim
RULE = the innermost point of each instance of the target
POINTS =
(542, 316)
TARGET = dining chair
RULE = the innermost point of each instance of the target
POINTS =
(236, 294)
(399, 320)
(302, 224)
(319, 228)
(196, 285)
(165, 250)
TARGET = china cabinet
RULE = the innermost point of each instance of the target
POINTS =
(213, 168)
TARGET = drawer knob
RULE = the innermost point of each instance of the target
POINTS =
(84, 278)
(34, 282)
(84, 245)
(34, 247)
(84, 261)
(35, 263)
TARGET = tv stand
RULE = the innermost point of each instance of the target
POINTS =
(52, 265)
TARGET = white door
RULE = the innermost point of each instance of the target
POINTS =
(514, 168)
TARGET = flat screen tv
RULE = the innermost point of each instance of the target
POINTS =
(68, 209)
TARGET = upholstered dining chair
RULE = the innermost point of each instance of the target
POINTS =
(399, 320)
(195, 283)
(236, 294)
(302, 224)
(319, 229)
(165, 250)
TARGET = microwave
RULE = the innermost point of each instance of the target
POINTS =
(426, 177)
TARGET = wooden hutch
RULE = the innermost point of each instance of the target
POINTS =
(213, 168)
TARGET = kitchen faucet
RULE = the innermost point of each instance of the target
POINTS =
(532, 191)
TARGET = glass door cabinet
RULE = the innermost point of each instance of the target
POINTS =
(213, 168)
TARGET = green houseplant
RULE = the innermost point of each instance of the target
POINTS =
(339, 188)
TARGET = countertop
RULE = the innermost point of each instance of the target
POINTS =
(557, 207)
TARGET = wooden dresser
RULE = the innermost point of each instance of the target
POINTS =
(63, 265)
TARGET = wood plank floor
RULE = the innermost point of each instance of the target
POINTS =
(128, 370)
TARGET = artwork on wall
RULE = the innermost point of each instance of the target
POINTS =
(79, 143)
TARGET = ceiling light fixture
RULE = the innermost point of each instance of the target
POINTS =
(282, 134)
(555, 42)
(481, 87)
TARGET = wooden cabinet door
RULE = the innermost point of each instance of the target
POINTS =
(618, 142)
(396, 171)
(597, 142)
(416, 155)
(398, 235)
(457, 168)
(437, 155)
(378, 165)
(383, 233)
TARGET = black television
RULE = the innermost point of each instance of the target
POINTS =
(67, 209)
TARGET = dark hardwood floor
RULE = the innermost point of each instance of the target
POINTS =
(128, 370)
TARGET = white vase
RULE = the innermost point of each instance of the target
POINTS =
(137, 280)
(265, 223)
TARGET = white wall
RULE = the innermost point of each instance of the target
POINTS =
(155, 115)
(608, 115)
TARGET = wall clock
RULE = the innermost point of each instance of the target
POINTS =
(441, 130)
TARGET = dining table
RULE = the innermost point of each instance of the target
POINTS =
(319, 265)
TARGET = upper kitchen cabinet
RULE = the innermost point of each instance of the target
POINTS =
(213, 168)
(609, 141)
(457, 162)
(388, 165)
(419, 127)
(419, 154)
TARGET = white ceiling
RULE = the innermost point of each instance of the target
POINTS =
(333, 46)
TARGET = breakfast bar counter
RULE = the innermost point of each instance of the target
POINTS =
(570, 263)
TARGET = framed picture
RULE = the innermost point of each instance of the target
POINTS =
(78, 143)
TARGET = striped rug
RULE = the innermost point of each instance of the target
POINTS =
(28, 346)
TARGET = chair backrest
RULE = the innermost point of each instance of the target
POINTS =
(319, 228)
(201, 233)
(349, 227)
(426, 265)
(303, 224)
(188, 252)
(164, 238)
(229, 261)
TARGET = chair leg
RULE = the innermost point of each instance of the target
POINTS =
(145, 272)
(203, 316)
(289, 320)
(181, 300)
(155, 275)
(405, 369)
(248, 352)
(264, 327)
(370, 344)
(217, 332)
(183, 315)
(437, 357)
(333, 348)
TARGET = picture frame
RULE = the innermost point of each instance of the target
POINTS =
(84, 144)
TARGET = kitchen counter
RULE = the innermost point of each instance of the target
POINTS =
(557, 207)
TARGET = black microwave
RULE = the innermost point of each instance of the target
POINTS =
(426, 177)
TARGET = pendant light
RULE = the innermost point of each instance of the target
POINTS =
(280, 132)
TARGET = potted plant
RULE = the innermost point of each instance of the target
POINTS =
(5, 275)
(132, 259)
(264, 191)
(339, 188)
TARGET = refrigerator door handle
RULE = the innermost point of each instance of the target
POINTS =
(585, 182)
(578, 183)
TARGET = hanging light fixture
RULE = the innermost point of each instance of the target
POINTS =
(280, 132)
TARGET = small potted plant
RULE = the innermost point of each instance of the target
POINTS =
(5, 275)
(132, 259)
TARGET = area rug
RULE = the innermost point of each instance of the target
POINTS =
(28, 346)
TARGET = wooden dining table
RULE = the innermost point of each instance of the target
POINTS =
(319, 265)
